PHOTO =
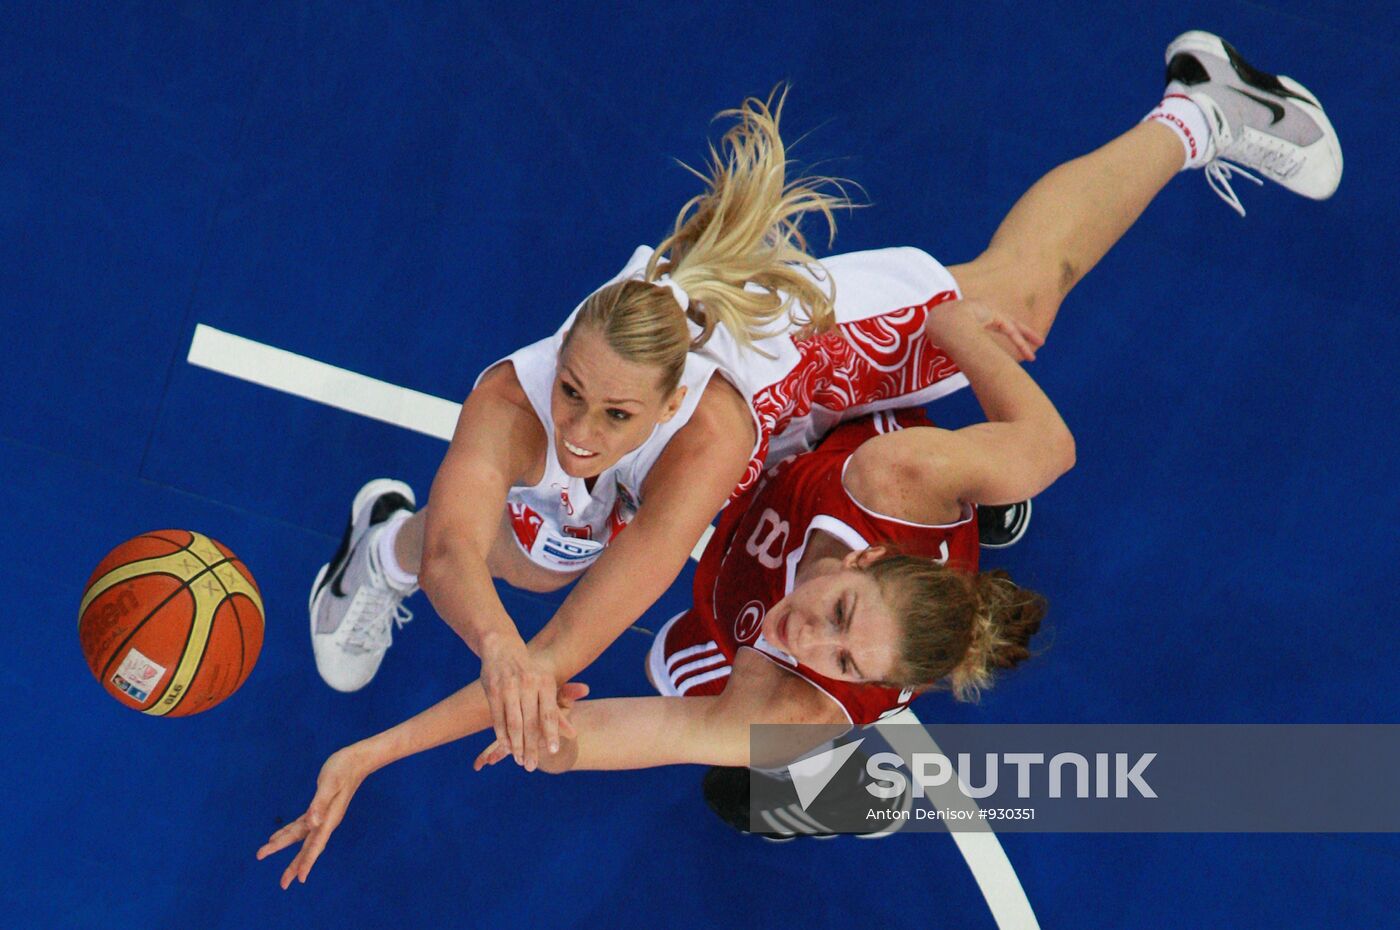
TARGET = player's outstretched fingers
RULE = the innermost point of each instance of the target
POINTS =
(531, 710)
(515, 724)
(569, 693)
(496, 704)
(491, 755)
(549, 723)
(310, 852)
(291, 833)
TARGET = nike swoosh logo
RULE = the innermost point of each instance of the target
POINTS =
(1262, 80)
(339, 576)
(1275, 108)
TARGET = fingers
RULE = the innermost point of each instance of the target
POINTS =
(549, 721)
(569, 693)
(312, 829)
(490, 755)
(530, 725)
(572, 691)
(291, 833)
(1018, 339)
(310, 852)
(496, 704)
(515, 723)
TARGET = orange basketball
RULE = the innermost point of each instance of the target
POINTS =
(171, 623)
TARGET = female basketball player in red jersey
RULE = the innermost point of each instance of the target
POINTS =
(618, 420)
(801, 615)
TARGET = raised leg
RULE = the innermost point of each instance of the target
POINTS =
(1067, 221)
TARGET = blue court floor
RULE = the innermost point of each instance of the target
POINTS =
(411, 190)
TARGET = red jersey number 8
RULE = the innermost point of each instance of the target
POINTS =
(768, 540)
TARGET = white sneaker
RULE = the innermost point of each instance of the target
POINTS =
(1264, 122)
(354, 608)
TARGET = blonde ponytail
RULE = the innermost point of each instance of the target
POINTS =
(737, 248)
(736, 252)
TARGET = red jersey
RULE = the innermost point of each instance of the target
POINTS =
(751, 562)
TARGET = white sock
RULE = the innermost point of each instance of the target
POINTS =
(388, 561)
(1179, 114)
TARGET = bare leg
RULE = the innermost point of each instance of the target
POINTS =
(1067, 221)
(505, 560)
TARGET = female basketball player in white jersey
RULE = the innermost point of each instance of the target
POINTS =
(619, 420)
(800, 614)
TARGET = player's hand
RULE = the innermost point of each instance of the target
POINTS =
(522, 693)
(943, 320)
(569, 693)
(340, 778)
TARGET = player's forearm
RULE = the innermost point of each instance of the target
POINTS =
(1003, 388)
(636, 733)
(462, 591)
(627, 579)
(456, 716)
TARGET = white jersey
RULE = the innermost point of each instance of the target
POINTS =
(876, 358)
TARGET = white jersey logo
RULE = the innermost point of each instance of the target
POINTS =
(570, 552)
(749, 621)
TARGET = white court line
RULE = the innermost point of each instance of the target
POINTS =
(326, 384)
(434, 416)
(980, 847)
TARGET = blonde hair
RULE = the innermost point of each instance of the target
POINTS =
(958, 627)
(736, 249)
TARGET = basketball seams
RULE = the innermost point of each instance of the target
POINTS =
(155, 610)
(156, 536)
(185, 659)
(134, 569)
(150, 565)
(242, 650)
(254, 598)
(136, 628)
(244, 575)
(173, 542)
(204, 651)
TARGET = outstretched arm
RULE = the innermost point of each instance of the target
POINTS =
(634, 733)
(612, 734)
(499, 442)
(459, 715)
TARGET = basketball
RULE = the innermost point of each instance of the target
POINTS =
(171, 623)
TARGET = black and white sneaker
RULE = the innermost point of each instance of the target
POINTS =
(1260, 121)
(354, 607)
(767, 806)
(1002, 525)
